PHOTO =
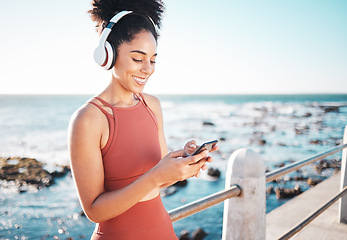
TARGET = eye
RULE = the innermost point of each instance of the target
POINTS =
(153, 62)
(137, 60)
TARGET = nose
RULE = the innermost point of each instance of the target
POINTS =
(147, 67)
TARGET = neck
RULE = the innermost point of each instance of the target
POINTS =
(118, 96)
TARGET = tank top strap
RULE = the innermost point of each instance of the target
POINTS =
(101, 108)
(149, 110)
(104, 102)
(141, 98)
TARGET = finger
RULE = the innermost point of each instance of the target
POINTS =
(190, 147)
(196, 158)
(203, 167)
(215, 148)
(191, 144)
(209, 159)
(197, 175)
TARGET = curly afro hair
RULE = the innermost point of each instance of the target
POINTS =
(128, 26)
(103, 10)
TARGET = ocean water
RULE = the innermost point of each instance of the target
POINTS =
(280, 128)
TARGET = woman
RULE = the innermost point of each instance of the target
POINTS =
(117, 145)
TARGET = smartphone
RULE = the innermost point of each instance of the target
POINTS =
(206, 146)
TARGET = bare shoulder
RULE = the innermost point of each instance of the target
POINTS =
(86, 116)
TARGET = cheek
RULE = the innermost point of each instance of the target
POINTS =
(123, 69)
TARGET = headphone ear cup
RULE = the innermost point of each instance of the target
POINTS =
(110, 56)
(100, 55)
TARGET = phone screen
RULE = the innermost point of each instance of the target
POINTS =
(206, 146)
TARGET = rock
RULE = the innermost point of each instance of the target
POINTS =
(168, 191)
(26, 173)
(270, 189)
(184, 235)
(301, 130)
(312, 181)
(306, 115)
(82, 213)
(297, 178)
(326, 164)
(181, 183)
(283, 193)
(316, 142)
(327, 109)
(207, 123)
(213, 172)
(199, 234)
(279, 165)
(258, 141)
(62, 173)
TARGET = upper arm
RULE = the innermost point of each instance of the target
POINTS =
(154, 104)
(85, 155)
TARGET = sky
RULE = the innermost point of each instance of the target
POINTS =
(206, 47)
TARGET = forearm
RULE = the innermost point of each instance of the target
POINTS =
(111, 204)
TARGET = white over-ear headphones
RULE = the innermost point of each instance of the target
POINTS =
(104, 53)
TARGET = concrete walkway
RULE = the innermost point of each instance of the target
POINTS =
(325, 226)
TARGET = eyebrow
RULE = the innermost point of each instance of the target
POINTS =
(141, 52)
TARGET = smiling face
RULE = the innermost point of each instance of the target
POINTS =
(135, 63)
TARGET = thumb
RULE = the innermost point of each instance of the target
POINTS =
(196, 158)
(176, 154)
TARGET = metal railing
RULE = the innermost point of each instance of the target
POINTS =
(309, 219)
(296, 165)
(236, 191)
(203, 203)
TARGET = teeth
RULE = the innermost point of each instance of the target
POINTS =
(140, 80)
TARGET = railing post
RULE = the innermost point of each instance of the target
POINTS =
(343, 200)
(244, 216)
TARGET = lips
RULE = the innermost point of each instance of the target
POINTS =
(140, 81)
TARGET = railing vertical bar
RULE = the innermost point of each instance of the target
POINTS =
(309, 219)
(343, 182)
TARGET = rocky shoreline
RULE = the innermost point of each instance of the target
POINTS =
(282, 191)
(27, 174)
(30, 175)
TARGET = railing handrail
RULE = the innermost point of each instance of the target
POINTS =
(203, 203)
(296, 165)
(235, 190)
(246, 168)
(313, 216)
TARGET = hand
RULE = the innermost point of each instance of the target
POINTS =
(190, 148)
(174, 167)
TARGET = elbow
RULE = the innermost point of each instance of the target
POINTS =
(97, 216)
(93, 217)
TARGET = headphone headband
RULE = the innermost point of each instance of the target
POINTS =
(101, 55)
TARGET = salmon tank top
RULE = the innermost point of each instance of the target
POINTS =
(131, 150)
